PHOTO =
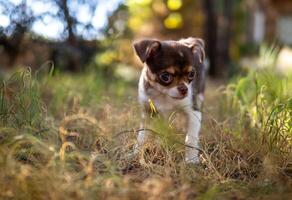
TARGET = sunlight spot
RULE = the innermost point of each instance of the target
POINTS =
(49, 28)
(174, 4)
(135, 23)
(4, 21)
(139, 2)
(41, 7)
(173, 21)
(83, 14)
(16, 2)
(159, 7)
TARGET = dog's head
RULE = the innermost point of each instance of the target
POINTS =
(172, 64)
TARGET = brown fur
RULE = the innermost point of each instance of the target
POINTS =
(176, 57)
(179, 75)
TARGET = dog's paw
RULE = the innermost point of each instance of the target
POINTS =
(194, 160)
(136, 149)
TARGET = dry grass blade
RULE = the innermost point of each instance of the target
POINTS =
(64, 132)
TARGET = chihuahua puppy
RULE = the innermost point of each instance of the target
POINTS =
(173, 78)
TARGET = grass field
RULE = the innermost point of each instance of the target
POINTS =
(71, 136)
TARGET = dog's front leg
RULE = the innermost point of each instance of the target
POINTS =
(142, 134)
(192, 137)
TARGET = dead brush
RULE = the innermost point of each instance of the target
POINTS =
(76, 118)
(263, 106)
(226, 162)
(84, 151)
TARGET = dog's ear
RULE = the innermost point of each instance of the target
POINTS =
(197, 46)
(146, 49)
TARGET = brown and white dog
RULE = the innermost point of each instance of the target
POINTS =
(173, 78)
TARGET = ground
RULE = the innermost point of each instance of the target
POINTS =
(72, 136)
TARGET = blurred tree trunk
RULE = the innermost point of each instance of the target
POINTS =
(211, 35)
(69, 61)
(69, 21)
(224, 36)
(12, 45)
(218, 35)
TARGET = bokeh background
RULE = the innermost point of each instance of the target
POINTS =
(80, 34)
(69, 114)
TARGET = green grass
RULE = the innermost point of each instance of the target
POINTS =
(70, 136)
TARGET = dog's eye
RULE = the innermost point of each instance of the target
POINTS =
(191, 75)
(165, 77)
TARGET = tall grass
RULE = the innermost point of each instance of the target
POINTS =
(72, 137)
(20, 101)
(257, 109)
(264, 99)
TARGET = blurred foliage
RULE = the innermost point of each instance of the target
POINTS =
(22, 17)
(174, 19)
(19, 45)
(165, 19)
(147, 18)
(132, 19)
(262, 101)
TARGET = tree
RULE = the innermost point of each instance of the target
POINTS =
(218, 25)
(67, 10)
(73, 54)
(21, 19)
(211, 35)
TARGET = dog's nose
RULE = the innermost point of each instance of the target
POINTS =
(182, 88)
